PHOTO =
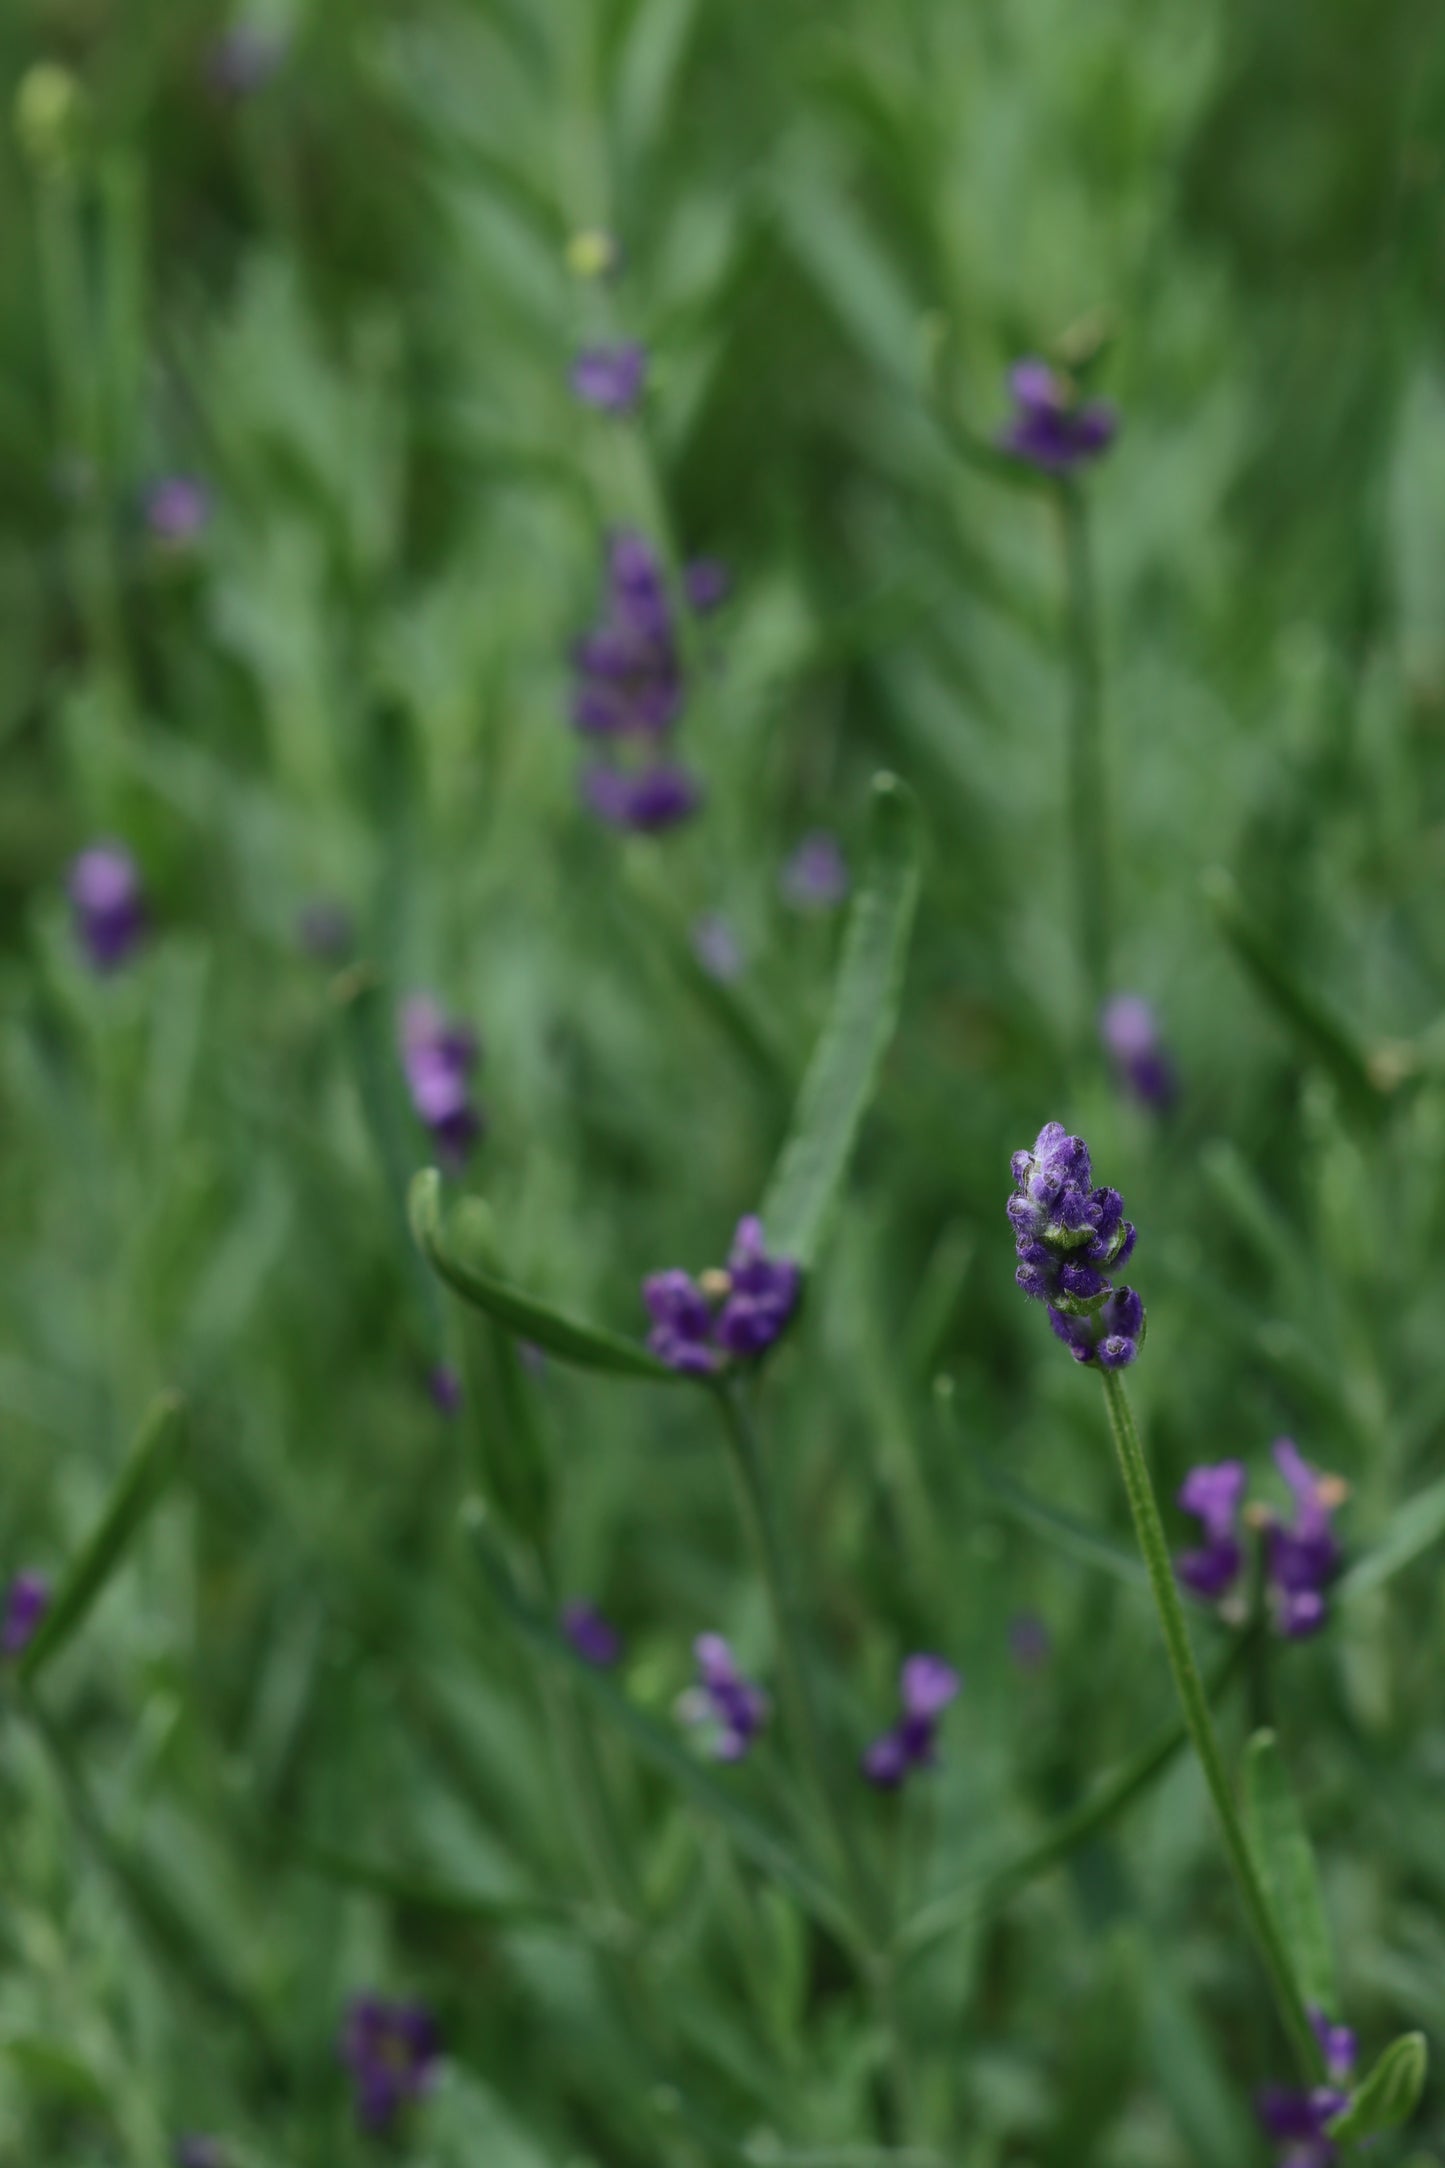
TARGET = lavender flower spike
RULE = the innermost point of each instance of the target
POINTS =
(739, 1313)
(438, 1058)
(628, 692)
(610, 378)
(1213, 1495)
(926, 1686)
(1130, 1032)
(107, 905)
(26, 1602)
(393, 2052)
(594, 1637)
(1299, 2120)
(681, 1334)
(1051, 428)
(1302, 1556)
(731, 1707)
(1069, 1236)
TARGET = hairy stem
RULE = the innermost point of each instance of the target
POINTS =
(1088, 794)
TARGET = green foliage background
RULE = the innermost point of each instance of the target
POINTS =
(345, 303)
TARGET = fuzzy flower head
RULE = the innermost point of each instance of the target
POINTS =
(393, 2052)
(733, 1314)
(926, 1686)
(26, 1602)
(610, 378)
(1298, 2119)
(1301, 1554)
(107, 905)
(628, 697)
(1129, 1029)
(438, 1058)
(593, 1636)
(730, 1708)
(1051, 427)
(1069, 1237)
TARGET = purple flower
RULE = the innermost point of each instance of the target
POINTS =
(1130, 1032)
(926, 1686)
(325, 930)
(1213, 1494)
(243, 59)
(733, 1709)
(734, 1313)
(610, 378)
(1030, 1643)
(717, 948)
(707, 583)
(1050, 427)
(107, 904)
(628, 691)
(1299, 2120)
(815, 877)
(392, 2050)
(26, 1602)
(594, 1637)
(647, 800)
(1069, 1237)
(438, 1058)
(445, 1388)
(177, 510)
(195, 2151)
(1302, 1556)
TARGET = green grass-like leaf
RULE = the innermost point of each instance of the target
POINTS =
(1287, 1868)
(1389, 2095)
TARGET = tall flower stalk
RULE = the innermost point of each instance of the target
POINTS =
(1088, 774)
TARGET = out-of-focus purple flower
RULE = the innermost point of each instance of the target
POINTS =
(647, 800)
(736, 1313)
(1338, 2045)
(26, 1602)
(594, 1637)
(1069, 1236)
(243, 59)
(325, 930)
(393, 2052)
(445, 1388)
(815, 877)
(717, 948)
(1213, 1494)
(1051, 427)
(177, 510)
(197, 2151)
(438, 1058)
(610, 378)
(926, 1686)
(1030, 1643)
(1130, 1032)
(1302, 1556)
(108, 907)
(1299, 2119)
(707, 583)
(733, 1708)
(629, 693)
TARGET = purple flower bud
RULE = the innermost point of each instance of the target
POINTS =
(1213, 1494)
(815, 877)
(1338, 2046)
(1068, 1238)
(1299, 2120)
(707, 583)
(438, 1058)
(26, 1602)
(107, 904)
(325, 930)
(177, 510)
(243, 60)
(736, 1313)
(717, 948)
(445, 1388)
(594, 1637)
(629, 690)
(926, 1686)
(393, 2052)
(681, 1334)
(1302, 1556)
(610, 378)
(732, 1708)
(1050, 427)
(1130, 1032)
(648, 800)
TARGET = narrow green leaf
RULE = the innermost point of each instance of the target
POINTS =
(501, 1409)
(138, 1488)
(359, 997)
(843, 1073)
(1286, 1861)
(1389, 2095)
(404, 1888)
(1418, 1523)
(587, 1347)
(752, 1836)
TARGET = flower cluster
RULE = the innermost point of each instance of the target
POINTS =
(1300, 2120)
(26, 1602)
(629, 689)
(108, 906)
(926, 1685)
(393, 2052)
(697, 1325)
(438, 1058)
(592, 1635)
(1301, 1555)
(729, 1706)
(1051, 427)
(1130, 1032)
(1069, 1237)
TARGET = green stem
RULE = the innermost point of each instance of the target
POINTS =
(1195, 1705)
(1088, 796)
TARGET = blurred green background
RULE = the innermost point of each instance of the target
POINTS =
(341, 300)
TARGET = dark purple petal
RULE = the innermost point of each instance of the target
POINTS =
(594, 1637)
(649, 802)
(610, 378)
(815, 877)
(177, 510)
(107, 904)
(445, 1388)
(26, 1602)
(927, 1684)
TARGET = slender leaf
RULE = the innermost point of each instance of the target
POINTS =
(1418, 1523)
(587, 1347)
(1286, 1860)
(138, 1489)
(752, 1836)
(843, 1073)
(404, 1888)
(501, 1409)
(359, 996)
(1389, 2095)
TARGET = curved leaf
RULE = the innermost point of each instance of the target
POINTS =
(138, 1488)
(843, 1072)
(1286, 1859)
(1389, 2095)
(587, 1347)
